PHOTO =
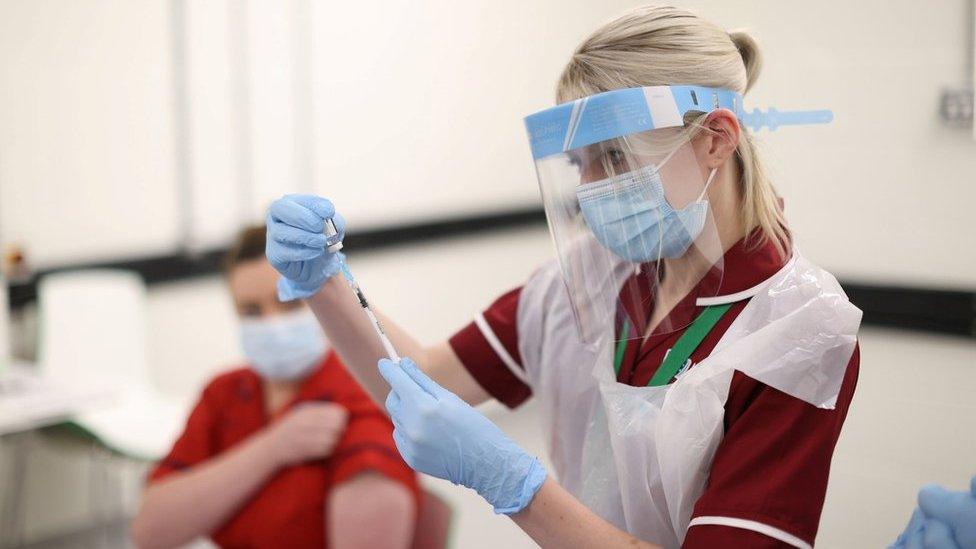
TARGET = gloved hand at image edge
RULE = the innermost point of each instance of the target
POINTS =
(943, 520)
(439, 434)
(296, 244)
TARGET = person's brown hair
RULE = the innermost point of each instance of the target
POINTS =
(248, 245)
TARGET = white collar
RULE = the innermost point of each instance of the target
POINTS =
(744, 294)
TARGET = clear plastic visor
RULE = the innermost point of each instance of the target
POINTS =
(634, 232)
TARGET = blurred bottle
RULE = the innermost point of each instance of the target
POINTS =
(13, 267)
(14, 264)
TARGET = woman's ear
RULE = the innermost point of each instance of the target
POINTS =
(722, 137)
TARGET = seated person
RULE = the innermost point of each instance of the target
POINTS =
(286, 452)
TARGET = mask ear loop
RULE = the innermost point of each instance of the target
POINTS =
(707, 183)
(659, 165)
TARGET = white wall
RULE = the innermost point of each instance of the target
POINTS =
(404, 115)
(911, 422)
(883, 193)
(86, 132)
(412, 110)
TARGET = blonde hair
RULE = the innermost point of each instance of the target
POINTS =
(656, 46)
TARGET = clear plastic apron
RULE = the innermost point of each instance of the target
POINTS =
(639, 456)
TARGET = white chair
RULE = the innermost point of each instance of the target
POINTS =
(93, 333)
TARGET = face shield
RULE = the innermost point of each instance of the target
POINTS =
(625, 195)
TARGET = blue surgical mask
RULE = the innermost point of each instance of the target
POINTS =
(630, 215)
(283, 347)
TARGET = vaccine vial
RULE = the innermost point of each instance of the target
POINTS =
(333, 242)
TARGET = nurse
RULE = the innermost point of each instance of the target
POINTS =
(693, 369)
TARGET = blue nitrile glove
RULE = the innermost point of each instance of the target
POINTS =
(926, 534)
(439, 434)
(296, 244)
(943, 519)
(957, 510)
(911, 531)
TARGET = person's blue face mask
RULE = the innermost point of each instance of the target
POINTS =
(283, 347)
(630, 215)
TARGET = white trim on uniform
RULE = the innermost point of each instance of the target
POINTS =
(763, 529)
(499, 349)
(744, 294)
(731, 298)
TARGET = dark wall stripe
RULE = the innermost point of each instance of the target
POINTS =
(915, 308)
(180, 266)
(925, 309)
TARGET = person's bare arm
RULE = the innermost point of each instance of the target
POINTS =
(195, 502)
(352, 335)
(555, 518)
(189, 504)
(370, 510)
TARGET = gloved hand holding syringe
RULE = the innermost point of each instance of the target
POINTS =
(333, 245)
(436, 431)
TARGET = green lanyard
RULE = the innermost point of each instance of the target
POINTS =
(682, 350)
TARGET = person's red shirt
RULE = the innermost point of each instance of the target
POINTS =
(289, 510)
(768, 479)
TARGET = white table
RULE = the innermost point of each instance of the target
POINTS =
(29, 402)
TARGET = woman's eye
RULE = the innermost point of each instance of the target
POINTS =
(616, 158)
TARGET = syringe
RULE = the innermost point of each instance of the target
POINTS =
(334, 244)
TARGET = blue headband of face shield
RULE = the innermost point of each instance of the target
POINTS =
(618, 113)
